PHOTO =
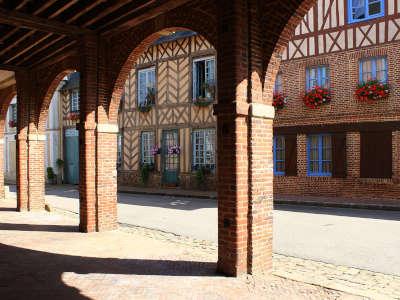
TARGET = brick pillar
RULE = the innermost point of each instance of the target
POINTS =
(353, 154)
(36, 174)
(244, 137)
(107, 176)
(98, 148)
(2, 192)
(24, 90)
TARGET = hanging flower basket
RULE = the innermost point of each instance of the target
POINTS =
(155, 150)
(12, 124)
(372, 91)
(279, 100)
(174, 150)
(316, 97)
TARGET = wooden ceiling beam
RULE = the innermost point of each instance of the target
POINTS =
(38, 50)
(85, 10)
(8, 34)
(29, 45)
(129, 12)
(17, 41)
(62, 9)
(106, 12)
(32, 22)
(158, 9)
(50, 53)
(10, 67)
(44, 6)
(22, 4)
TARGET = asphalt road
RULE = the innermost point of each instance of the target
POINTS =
(366, 239)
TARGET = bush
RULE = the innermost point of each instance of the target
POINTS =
(144, 174)
(50, 174)
(200, 177)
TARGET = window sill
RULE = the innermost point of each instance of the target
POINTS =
(366, 19)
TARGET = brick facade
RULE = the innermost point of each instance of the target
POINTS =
(344, 110)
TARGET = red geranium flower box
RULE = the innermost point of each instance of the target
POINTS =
(371, 91)
(279, 100)
(316, 97)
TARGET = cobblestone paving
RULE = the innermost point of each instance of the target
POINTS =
(42, 256)
(354, 281)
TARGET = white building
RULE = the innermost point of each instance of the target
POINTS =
(53, 148)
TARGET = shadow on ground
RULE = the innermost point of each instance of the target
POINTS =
(30, 274)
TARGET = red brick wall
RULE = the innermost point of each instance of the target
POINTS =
(344, 107)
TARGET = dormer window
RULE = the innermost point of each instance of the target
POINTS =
(361, 10)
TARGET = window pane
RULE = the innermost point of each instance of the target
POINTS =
(366, 66)
(358, 9)
(374, 7)
(147, 143)
(278, 84)
(381, 69)
(204, 148)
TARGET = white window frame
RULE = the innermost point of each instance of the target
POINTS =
(74, 101)
(203, 155)
(147, 142)
(367, 16)
(141, 97)
(194, 74)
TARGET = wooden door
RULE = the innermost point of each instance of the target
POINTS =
(170, 161)
(71, 156)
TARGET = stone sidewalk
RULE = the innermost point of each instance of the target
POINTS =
(43, 256)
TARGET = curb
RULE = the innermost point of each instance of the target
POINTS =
(166, 194)
(341, 205)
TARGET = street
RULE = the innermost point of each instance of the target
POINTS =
(366, 239)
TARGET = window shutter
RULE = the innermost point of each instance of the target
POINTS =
(339, 155)
(376, 154)
(291, 155)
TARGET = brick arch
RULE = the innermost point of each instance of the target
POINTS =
(48, 79)
(6, 96)
(273, 51)
(137, 40)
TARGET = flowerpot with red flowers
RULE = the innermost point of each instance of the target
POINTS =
(12, 124)
(372, 91)
(279, 100)
(316, 97)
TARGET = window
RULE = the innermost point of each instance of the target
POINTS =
(279, 155)
(203, 142)
(147, 144)
(319, 159)
(376, 154)
(360, 10)
(278, 84)
(204, 78)
(146, 86)
(13, 112)
(74, 101)
(119, 150)
(373, 68)
(318, 75)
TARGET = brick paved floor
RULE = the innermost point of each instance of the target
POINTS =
(42, 256)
